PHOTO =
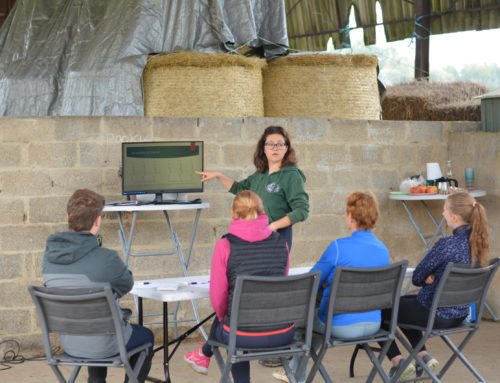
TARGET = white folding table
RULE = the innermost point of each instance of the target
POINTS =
(438, 224)
(190, 288)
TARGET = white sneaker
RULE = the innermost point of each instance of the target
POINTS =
(280, 375)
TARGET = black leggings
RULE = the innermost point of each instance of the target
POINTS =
(412, 312)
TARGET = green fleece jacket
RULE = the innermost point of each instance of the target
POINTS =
(282, 193)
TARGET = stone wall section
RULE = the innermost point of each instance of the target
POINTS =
(42, 161)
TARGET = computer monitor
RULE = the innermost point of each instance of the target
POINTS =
(162, 167)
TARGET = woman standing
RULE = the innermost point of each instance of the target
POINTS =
(277, 181)
(468, 245)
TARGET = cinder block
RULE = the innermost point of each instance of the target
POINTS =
(25, 182)
(77, 128)
(26, 129)
(23, 237)
(33, 265)
(100, 154)
(12, 211)
(126, 129)
(11, 155)
(317, 177)
(322, 227)
(350, 180)
(384, 180)
(345, 131)
(367, 154)
(227, 129)
(66, 181)
(255, 126)
(238, 154)
(55, 155)
(14, 321)
(11, 266)
(308, 129)
(14, 294)
(420, 131)
(48, 210)
(306, 252)
(213, 156)
(180, 128)
(386, 132)
(112, 183)
(327, 202)
(327, 155)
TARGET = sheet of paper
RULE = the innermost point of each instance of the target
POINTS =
(170, 286)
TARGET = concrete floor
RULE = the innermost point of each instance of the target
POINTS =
(483, 350)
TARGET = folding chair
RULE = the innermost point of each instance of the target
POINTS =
(357, 290)
(459, 285)
(265, 302)
(81, 311)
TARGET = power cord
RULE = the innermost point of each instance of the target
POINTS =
(13, 354)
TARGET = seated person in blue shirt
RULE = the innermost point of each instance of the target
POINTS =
(468, 245)
(361, 249)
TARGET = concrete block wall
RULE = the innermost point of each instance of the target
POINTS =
(42, 161)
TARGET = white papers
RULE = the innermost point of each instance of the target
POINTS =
(170, 286)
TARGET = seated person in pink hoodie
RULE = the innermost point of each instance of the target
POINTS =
(250, 248)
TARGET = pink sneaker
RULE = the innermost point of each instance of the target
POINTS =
(197, 360)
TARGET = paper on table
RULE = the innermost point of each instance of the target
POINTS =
(170, 286)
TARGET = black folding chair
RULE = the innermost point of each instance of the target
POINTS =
(81, 311)
(357, 290)
(459, 285)
(266, 302)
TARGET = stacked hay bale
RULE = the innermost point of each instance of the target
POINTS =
(427, 101)
(192, 84)
(322, 85)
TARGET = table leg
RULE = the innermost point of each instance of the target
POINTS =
(166, 367)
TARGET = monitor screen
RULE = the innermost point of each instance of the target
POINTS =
(162, 167)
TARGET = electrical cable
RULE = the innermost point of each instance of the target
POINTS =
(13, 355)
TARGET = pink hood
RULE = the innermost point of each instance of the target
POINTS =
(251, 231)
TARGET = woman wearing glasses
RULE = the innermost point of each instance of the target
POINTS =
(277, 181)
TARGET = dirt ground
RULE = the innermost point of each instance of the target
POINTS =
(483, 350)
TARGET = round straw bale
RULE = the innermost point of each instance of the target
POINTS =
(192, 84)
(322, 85)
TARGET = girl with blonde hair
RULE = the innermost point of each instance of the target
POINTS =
(467, 245)
(249, 248)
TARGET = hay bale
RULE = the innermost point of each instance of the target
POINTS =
(192, 84)
(322, 85)
(425, 101)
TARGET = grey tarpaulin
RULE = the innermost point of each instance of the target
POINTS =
(86, 57)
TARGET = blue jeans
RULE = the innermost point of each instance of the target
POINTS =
(140, 335)
(287, 233)
(241, 371)
(354, 330)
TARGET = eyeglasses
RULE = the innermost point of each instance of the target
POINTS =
(279, 146)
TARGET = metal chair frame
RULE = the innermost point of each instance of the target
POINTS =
(359, 290)
(266, 302)
(83, 311)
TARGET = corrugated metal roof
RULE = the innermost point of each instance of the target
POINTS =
(312, 22)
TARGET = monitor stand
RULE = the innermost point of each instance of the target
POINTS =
(170, 198)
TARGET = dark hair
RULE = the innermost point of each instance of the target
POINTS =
(83, 207)
(364, 210)
(473, 213)
(259, 157)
